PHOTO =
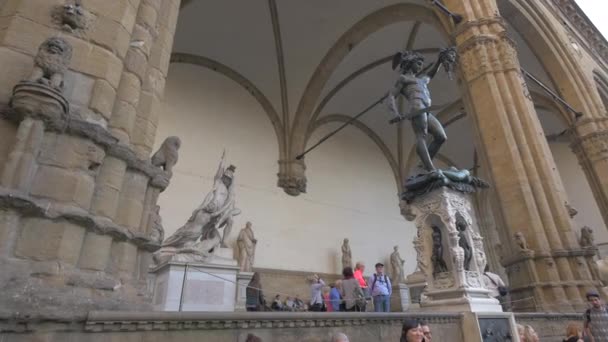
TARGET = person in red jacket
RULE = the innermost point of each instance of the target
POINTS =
(359, 269)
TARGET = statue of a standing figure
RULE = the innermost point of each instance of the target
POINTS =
(347, 257)
(246, 243)
(587, 240)
(439, 264)
(216, 212)
(397, 265)
(464, 244)
(413, 85)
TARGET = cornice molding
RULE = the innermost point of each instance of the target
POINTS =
(145, 321)
(595, 42)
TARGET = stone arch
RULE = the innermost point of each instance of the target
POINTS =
(367, 131)
(541, 100)
(543, 38)
(234, 75)
(601, 83)
(350, 39)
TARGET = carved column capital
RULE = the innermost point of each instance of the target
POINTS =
(593, 146)
(292, 177)
(487, 53)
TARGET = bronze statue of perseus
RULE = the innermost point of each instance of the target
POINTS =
(412, 84)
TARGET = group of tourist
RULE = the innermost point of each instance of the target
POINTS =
(353, 291)
(289, 304)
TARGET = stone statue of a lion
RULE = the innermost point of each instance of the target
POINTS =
(167, 154)
(51, 62)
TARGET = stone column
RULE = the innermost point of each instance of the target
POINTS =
(142, 84)
(71, 194)
(520, 163)
(590, 145)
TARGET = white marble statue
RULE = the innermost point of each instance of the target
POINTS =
(347, 257)
(587, 240)
(216, 212)
(397, 265)
(246, 243)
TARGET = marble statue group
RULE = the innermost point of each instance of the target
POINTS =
(210, 224)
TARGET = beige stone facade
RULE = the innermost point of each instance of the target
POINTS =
(77, 187)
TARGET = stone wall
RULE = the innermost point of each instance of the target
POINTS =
(289, 282)
(231, 327)
(75, 197)
(275, 326)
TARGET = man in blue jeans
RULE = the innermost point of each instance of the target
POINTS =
(381, 289)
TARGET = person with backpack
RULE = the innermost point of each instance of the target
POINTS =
(381, 289)
(596, 319)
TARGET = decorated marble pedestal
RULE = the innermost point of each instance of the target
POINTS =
(452, 259)
(197, 286)
(400, 300)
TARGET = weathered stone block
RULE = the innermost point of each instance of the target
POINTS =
(112, 35)
(112, 173)
(9, 7)
(95, 252)
(95, 61)
(132, 197)
(37, 11)
(9, 226)
(147, 15)
(169, 12)
(26, 35)
(165, 38)
(122, 121)
(123, 257)
(70, 152)
(8, 132)
(160, 57)
(42, 239)
(75, 187)
(78, 88)
(123, 12)
(156, 4)
(154, 82)
(21, 165)
(148, 104)
(20, 67)
(136, 62)
(103, 98)
(142, 36)
(129, 88)
(144, 132)
(109, 184)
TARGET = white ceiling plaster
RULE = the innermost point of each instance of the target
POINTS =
(235, 33)
(310, 28)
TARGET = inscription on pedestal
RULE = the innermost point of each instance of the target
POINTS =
(495, 329)
(208, 292)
